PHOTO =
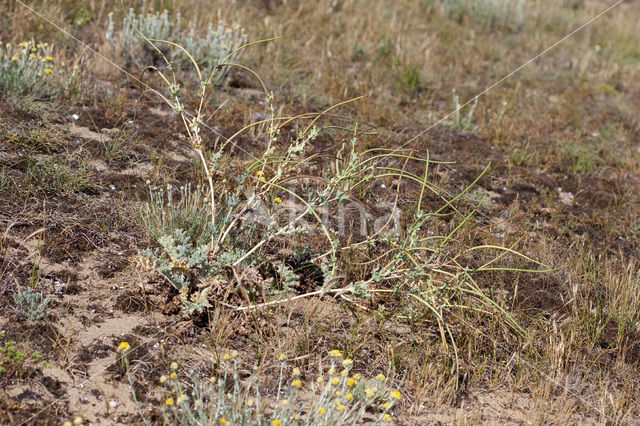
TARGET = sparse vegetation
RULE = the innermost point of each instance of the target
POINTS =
(237, 212)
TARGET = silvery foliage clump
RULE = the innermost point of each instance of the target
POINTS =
(31, 304)
(209, 49)
(489, 14)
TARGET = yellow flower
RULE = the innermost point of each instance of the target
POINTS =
(39, 45)
(344, 373)
(297, 383)
(276, 422)
(284, 402)
(385, 405)
(168, 401)
(348, 397)
(14, 58)
(226, 357)
(347, 363)
(295, 372)
(335, 354)
(32, 56)
(47, 71)
(123, 346)
(395, 395)
(369, 392)
(78, 421)
(250, 403)
(24, 44)
(234, 354)
(46, 44)
(75, 67)
(49, 58)
(67, 424)
(357, 376)
(259, 173)
(262, 179)
(163, 379)
(223, 421)
(351, 383)
(296, 417)
(174, 366)
(212, 379)
(322, 410)
(182, 398)
(338, 393)
(33, 49)
(332, 371)
(319, 379)
(340, 408)
(39, 74)
(283, 357)
(173, 375)
(386, 418)
(277, 200)
(380, 377)
(335, 381)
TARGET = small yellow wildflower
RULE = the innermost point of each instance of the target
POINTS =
(33, 49)
(47, 71)
(182, 398)
(32, 56)
(168, 401)
(250, 403)
(212, 379)
(46, 44)
(322, 410)
(278, 200)
(332, 371)
(335, 381)
(335, 353)
(369, 392)
(296, 372)
(276, 422)
(338, 393)
(173, 375)
(14, 58)
(347, 363)
(320, 379)
(296, 417)
(344, 373)
(351, 383)
(297, 383)
(75, 67)
(340, 408)
(39, 45)
(43, 60)
(24, 44)
(78, 421)
(234, 354)
(396, 395)
(357, 376)
(163, 378)
(174, 366)
(380, 377)
(284, 402)
(283, 357)
(259, 173)
(386, 418)
(49, 58)
(385, 405)
(348, 397)
(226, 357)
(223, 421)
(124, 347)
(39, 74)
(67, 424)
